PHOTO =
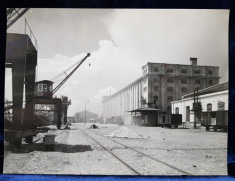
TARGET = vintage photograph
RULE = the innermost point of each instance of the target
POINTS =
(116, 91)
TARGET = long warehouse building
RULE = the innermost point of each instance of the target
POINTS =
(161, 83)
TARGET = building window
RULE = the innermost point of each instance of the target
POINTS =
(50, 88)
(145, 89)
(40, 87)
(168, 108)
(170, 89)
(209, 107)
(197, 81)
(184, 71)
(196, 71)
(221, 105)
(183, 81)
(169, 70)
(169, 98)
(210, 82)
(155, 69)
(187, 113)
(155, 98)
(155, 80)
(170, 80)
(156, 88)
(183, 89)
(176, 110)
(45, 88)
(210, 72)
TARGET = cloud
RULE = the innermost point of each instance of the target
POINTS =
(121, 42)
(107, 69)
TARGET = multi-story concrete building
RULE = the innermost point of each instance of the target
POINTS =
(160, 84)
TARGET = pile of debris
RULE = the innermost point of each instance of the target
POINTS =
(93, 126)
(125, 132)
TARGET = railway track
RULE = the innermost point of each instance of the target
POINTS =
(118, 158)
(131, 150)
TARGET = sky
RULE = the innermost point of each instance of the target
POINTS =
(120, 41)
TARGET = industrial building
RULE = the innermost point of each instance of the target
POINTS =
(161, 83)
(213, 103)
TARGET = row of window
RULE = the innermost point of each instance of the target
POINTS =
(183, 71)
(184, 81)
(169, 98)
(220, 106)
(43, 87)
(170, 89)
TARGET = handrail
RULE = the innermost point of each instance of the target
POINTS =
(30, 34)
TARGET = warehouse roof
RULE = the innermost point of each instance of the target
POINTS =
(145, 109)
(208, 90)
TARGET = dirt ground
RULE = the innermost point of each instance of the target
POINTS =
(194, 151)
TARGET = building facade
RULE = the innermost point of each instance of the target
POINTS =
(212, 100)
(159, 85)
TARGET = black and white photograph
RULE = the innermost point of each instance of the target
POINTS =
(116, 92)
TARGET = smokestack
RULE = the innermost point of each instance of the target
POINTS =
(193, 61)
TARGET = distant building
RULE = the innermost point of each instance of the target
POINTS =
(160, 84)
(213, 99)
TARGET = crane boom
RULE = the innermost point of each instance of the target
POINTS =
(69, 75)
(13, 14)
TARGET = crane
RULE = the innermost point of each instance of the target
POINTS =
(13, 14)
(69, 75)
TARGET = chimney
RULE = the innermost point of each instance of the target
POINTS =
(193, 61)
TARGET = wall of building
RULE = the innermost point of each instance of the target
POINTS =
(165, 82)
(171, 81)
(212, 99)
(127, 99)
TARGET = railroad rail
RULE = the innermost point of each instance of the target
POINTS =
(130, 148)
(118, 158)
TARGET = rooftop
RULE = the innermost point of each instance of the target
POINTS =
(208, 90)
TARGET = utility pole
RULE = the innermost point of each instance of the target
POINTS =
(85, 113)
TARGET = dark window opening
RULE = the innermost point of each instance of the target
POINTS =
(176, 110)
(187, 113)
(170, 80)
(168, 108)
(170, 98)
(183, 81)
(169, 70)
(155, 69)
(183, 89)
(170, 89)
(197, 81)
(210, 72)
(209, 107)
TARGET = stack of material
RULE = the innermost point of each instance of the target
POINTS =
(125, 132)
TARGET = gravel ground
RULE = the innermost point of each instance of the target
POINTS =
(192, 150)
